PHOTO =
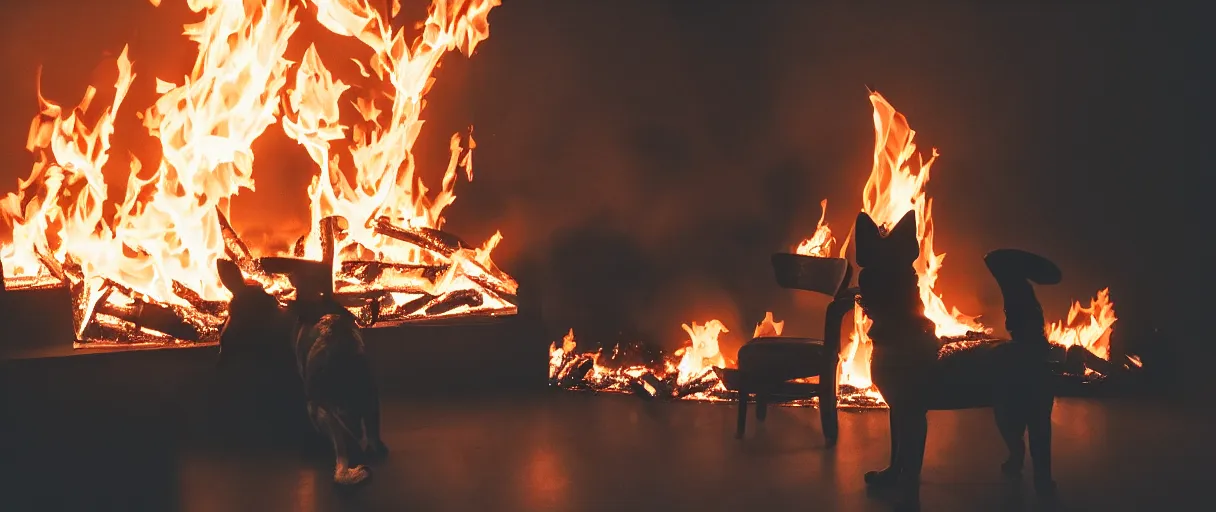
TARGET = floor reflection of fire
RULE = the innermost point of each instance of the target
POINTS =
(142, 270)
(1081, 342)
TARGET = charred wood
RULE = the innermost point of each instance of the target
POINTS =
(210, 307)
(51, 264)
(704, 382)
(297, 250)
(235, 248)
(145, 314)
(494, 285)
(1079, 358)
(329, 227)
(575, 372)
(433, 240)
(453, 300)
(368, 271)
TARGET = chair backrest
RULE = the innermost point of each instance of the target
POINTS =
(828, 276)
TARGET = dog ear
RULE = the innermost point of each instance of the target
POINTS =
(869, 240)
(902, 241)
(230, 275)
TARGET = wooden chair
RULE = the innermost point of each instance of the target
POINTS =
(768, 364)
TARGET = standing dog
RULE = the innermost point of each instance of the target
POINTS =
(917, 373)
(342, 397)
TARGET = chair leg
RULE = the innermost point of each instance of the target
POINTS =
(761, 407)
(827, 407)
(742, 423)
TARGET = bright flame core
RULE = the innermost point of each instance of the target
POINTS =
(161, 244)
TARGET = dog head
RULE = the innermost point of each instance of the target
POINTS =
(254, 315)
(887, 280)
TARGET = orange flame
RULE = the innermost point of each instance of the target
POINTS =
(703, 355)
(164, 239)
(166, 230)
(383, 140)
(1088, 327)
(768, 328)
(820, 243)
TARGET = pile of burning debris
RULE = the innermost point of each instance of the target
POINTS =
(687, 374)
(145, 273)
(1081, 344)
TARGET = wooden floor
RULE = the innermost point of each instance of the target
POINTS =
(113, 446)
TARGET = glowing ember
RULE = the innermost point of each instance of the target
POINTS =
(819, 244)
(687, 374)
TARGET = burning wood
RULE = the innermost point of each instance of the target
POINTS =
(149, 268)
(684, 375)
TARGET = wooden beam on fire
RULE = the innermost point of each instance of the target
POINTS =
(368, 271)
(236, 249)
(144, 312)
(446, 245)
(433, 240)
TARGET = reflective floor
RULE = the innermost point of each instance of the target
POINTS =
(572, 452)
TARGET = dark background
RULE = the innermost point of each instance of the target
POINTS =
(644, 157)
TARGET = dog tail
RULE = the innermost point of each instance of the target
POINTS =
(1015, 272)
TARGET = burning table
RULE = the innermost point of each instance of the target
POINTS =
(145, 274)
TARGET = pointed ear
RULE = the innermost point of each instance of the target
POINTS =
(869, 241)
(902, 240)
(230, 275)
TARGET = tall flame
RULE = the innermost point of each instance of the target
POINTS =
(381, 153)
(703, 354)
(165, 233)
(1089, 327)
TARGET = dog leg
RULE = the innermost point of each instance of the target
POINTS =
(1011, 421)
(889, 475)
(332, 427)
(371, 426)
(915, 429)
(1039, 427)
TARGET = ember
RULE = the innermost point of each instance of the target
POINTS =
(146, 274)
(894, 187)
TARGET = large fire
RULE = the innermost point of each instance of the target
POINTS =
(895, 186)
(146, 273)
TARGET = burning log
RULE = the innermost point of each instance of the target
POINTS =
(1078, 358)
(368, 271)
(702, 383)
(649, 386)
(236, 249)
(330, 226)
(210, 307)
(150, 315)
(433, 240)
(51, 264)
(575, 372)
(493, 284)
(453, 300)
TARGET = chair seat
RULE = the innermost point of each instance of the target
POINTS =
(778, 359)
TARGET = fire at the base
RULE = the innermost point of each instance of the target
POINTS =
(894, 187)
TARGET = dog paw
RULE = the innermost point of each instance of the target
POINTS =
(1012, 468)
(351, 476)
(883, 478)
(1045, 488)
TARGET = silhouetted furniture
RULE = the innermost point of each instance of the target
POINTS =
(768, 364)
